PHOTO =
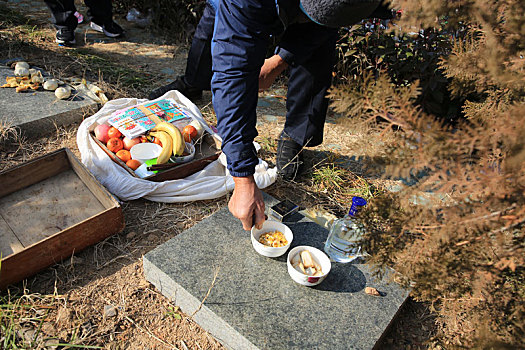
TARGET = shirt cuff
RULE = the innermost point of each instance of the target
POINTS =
(241, 162)
(286, 55)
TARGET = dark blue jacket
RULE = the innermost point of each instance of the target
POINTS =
(240, 41)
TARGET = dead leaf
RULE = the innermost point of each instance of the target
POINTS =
(372, 291)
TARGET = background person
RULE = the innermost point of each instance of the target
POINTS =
(100, 14)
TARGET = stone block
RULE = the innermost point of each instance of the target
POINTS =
(254, 304)
(37, 112)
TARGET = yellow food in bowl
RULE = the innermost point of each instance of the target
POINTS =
(274, 239)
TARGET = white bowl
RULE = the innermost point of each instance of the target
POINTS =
(268, 226)
(299, 277)
(184, 159)
(145, 151)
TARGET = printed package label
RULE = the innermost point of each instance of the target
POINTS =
(134, 121)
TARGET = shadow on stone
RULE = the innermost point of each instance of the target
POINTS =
(343, 278)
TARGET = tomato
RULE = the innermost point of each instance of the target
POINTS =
(115, 144)
(190, 133)
(113, 132)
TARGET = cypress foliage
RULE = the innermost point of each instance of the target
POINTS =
(462, 248)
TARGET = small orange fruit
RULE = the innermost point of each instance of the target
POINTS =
(124, 155)
(114, 132)
(133, 164)
(115, 144)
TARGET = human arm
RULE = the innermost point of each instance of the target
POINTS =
(247, 203)
(238, 51)
(270, 70)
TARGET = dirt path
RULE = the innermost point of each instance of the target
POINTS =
(73, 301)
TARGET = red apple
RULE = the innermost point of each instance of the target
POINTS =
(128, 143)
(101, 133)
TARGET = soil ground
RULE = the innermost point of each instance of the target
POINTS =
(72, 302)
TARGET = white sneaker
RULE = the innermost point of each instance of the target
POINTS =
(111, 29)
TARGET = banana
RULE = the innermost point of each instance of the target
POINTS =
(167, 146)
(176, 136)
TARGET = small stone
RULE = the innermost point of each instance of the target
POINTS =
(131, 235)
(153, 237)
(110, 311)
(372, 291)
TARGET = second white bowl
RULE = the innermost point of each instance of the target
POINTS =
(320, 257)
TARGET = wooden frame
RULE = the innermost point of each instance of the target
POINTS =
(51, 207)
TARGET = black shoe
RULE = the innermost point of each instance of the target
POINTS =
(110, 29)
(289, 157)
(65, 36)
(190, 92)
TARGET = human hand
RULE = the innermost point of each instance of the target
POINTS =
(270, 70)
(247, 203)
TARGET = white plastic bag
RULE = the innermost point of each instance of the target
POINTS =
(212, 182)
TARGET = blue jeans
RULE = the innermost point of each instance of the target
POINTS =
(198, 66)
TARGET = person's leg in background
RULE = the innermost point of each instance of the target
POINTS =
(64, 19)
(306, 102)
(198, 66)
(100, 14)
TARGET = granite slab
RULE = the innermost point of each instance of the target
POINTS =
(37, 112)
(254, 304)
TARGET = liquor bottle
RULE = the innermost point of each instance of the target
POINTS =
(342, 244)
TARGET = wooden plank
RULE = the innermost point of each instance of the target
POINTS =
(48, 207)
(9, 243)
(113, 156)
(205, 153)
(105, 198)
(181, 172)
(34, 171)
(60, 246)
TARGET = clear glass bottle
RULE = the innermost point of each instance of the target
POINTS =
(342, 242)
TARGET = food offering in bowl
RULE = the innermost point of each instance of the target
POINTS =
(272, 240)
(189, 154)
(308, 265)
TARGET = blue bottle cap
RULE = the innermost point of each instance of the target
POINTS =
(357, 203)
